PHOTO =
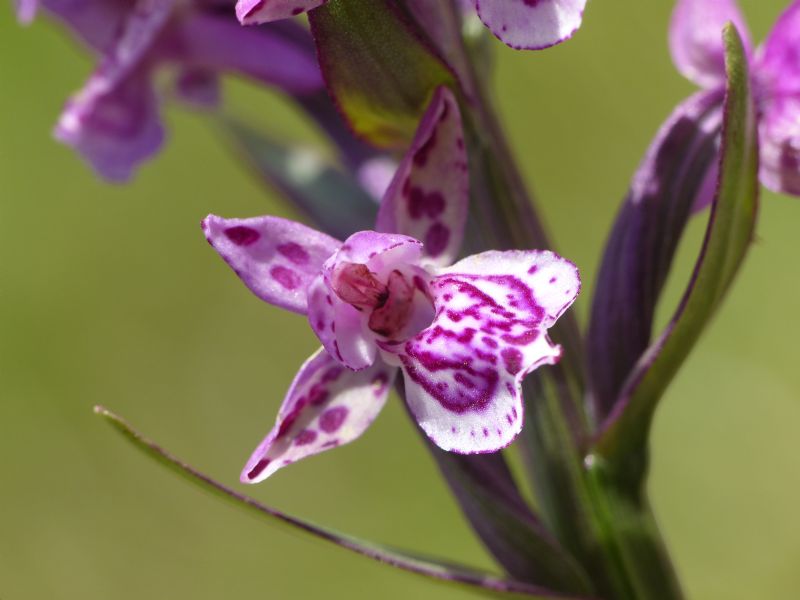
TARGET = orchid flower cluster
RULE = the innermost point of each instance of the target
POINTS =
(424, 268)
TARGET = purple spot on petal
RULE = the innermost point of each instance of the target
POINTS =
(512, 358)
(485, 432)
(258, 469)
(552, 280)
(436, 239)
(241, 235)
(286, 277)
(305, 437)
(333, 418)
(294, 252)
(533, 269)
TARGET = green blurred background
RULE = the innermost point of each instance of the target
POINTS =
(110, 295)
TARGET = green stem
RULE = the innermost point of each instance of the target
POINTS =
(607, 526)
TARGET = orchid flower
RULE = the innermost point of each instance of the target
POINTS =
(114, 120)
(520, 24)
(463, 335)
(697, 51)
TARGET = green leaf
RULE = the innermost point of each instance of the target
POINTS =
(432, 568)
(730, 230)
(377, 67)
(316, 187)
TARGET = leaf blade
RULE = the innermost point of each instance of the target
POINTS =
(440, 570)
(729, 233)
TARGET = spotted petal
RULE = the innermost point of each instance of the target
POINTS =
(428, 198)
(779, 134)
(326, 406)
(531, 24)
(695, 38)
(276, 258)
(463, 372)
(779, 64)
(253, 12)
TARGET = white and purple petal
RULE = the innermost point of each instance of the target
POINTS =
(779, 134)
(253, 12)
(326, 406)
(695, 38)
(778, 65)
(531, 24)
(463, 372)
(428, 198)
(276, 258)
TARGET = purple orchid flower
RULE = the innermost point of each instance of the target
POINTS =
(114, 120)
(520, 24)
(464, 335)
(697, 51)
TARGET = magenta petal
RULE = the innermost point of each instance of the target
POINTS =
(463, 372)
(695, 38)
(252, 12)
(26, 10)
(276, 258)
(531, 24)
(779, 133)
(113, 121)
(326, 406)
(428, 198)
(778, 67)
(114, 128)
(198, 86)
(274, 55)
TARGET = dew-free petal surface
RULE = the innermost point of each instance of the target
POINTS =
(276, 258)
(463, 372)
(428, 198)
(531, 24)
(695, 38)
(252, 12)
(326, 406)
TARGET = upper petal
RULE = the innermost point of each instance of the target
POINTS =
(779, 133)
(463, 372)
(326, 406)
(252, 12)
(428, 198)
(695, 38)
(778, 65)
(276, 258)
(531, 24)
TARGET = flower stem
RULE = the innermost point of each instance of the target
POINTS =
(608, 527)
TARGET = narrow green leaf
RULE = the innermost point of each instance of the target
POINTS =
(377, 67)
(730, 230)
(444, 571)
(324, 193)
